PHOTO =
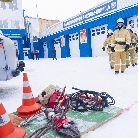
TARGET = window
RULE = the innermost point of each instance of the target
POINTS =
(5, 23)
(1, 24)
(132, 25)
(97, 30)
(98, 33)
(93, 34)
(35, 39)
(93, 30)
(103, 28)
(137, 25)
(103, 32)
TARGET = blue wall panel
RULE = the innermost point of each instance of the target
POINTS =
(50, 45)
(85, 48)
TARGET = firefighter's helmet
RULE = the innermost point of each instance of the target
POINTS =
(120, 20)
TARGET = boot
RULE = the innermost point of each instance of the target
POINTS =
(116, 72)
(112, 67)
(126, 66)
(133, 65)
(122, 71)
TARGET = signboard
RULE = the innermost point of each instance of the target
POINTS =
(104, 8)
(62, 41)
(83, 37)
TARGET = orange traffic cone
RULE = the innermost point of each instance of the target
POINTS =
(7, 130)
(29, 107)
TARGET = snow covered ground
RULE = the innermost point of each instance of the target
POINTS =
(84, 73)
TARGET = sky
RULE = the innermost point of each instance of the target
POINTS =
(57, 9)
(88, 73)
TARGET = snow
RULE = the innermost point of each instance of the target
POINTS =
(92, 73)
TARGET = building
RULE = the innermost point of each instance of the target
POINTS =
(83, 35)
(33, 27)
(12, 23)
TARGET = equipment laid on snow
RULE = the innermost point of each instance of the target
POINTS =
(57, 106)
(9, 65)
(84, 100)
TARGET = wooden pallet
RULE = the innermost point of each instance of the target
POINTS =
(86, 121)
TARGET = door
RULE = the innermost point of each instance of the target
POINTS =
(45, 50)
(133, 22)
(57, 47)
(74, 45)
(98, 36)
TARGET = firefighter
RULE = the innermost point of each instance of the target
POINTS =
(120, 42)
(111, 54)
(131, 50)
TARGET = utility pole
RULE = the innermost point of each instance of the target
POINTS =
(36, 10)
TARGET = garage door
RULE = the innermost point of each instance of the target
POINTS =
(74, 45)
(57, 47)
(98, 36)
(133, 22)
(45, 50)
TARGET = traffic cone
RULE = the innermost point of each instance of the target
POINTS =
(29, 107)
(7, 130)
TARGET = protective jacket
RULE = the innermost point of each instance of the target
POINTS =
(119, 39)
(107, 42)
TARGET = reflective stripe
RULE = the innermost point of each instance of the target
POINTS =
(127, 59)
(112, 61)
(27, 95)
(26, 84)
(4, 119)
(130, 48)
(120, 50)
(120, 39)
(117, 64)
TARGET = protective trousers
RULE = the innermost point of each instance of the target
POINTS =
(112, 59)
(120, 56)
(132, 57)
(136, 56)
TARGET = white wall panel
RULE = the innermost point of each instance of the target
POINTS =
(11, 15)
(45, 50)
(34, 27)
(74, 45)
(133, 22)
(98, 36)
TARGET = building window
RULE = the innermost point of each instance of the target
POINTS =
(97, 30)
(132, 25)
(103, 32)
(98, 33)
(93, 30)
(35, 39)
(103, 28)
(93, 34)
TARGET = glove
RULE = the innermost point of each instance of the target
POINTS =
(136, 49)
(103, 48)
(112, 49)
(127, 47)
(15, 119)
